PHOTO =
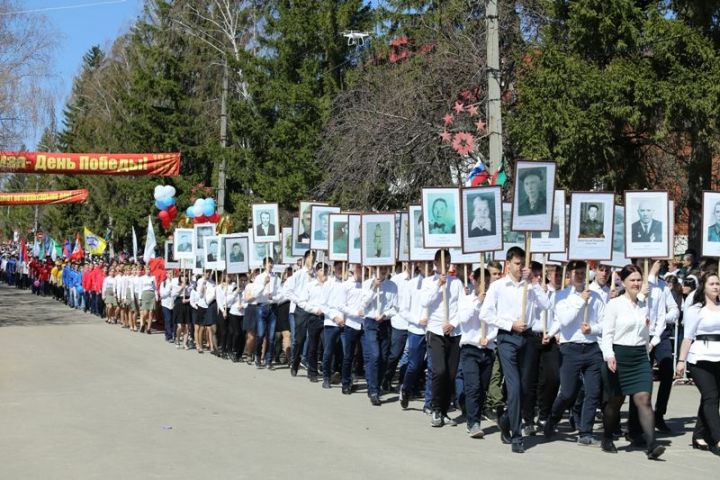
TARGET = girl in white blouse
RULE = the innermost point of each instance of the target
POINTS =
(625, 346)
(701, 349)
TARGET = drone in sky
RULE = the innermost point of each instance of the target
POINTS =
(356, 38)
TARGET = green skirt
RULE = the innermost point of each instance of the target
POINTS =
(633, 373)
(110, 297)
(147, 300)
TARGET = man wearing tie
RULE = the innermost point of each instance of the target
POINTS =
(646, 229)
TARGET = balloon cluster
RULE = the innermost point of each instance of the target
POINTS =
(203, 211)
(165, 202)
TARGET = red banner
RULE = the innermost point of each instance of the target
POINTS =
(40, 198)
(133, 164)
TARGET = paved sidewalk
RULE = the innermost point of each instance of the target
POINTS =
(80, 399)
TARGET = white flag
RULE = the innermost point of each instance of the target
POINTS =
(134, 244)
(150, 243)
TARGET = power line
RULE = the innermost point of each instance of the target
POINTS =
(64, 7)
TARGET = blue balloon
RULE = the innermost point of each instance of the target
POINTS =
(210, 201)
(208, 209)
(171, 201)
(159, 204)
(190, 212)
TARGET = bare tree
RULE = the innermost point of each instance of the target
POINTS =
(25, 63)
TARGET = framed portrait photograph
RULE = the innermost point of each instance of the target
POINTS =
(258, 252)
(481, 209)
(287, 251)
(184, 247)
(339, 237)
(418, 253)
(199, 264)
(236, 253)
(304, 230)
(591, 226)
(265, 222)
(378, 239)
(404, 238)
(533, 198)
(711, 224)
(553, 241)
(187, 263)
(511, 238)
(211, 252)
(441, 210)
(354, 238)
(618, 259)
(202, 231)
(320, 226)
(647, 220)
(169, 257)
(298, 248)
(458, 257)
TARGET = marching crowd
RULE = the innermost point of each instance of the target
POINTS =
(505, 345)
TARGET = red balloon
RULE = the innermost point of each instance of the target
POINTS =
(214, 218)
(165, 224)
(172, 211)
(164, 216)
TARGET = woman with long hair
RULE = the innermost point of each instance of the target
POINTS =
(108, 296)
(181, 313)
(627, 369)
(701, 349)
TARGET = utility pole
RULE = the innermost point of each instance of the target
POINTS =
(492, 38)
(223, 141)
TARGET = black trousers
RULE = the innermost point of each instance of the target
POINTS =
(511, 350)
(548, 379)
(445, 353)
(706, 376)
(662, 355)
(232, 340)
(301, 323)
(221, 331)
(477, 366)
(314, 330)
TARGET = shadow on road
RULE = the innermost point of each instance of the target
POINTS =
(20, 308)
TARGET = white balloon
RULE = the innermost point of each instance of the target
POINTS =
(158, 193)
(198, 203)
(198, 211)
(168, 191)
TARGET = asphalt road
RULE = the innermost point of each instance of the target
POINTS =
(80, 399)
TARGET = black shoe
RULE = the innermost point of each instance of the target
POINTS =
(699, 446)
(404, 399)
(661, 426)
(375, 400)
(518, 448)
(549, 429)
(608, 446)
(258, 365)
(504, 425)
(293, 372)
(346, 390)
(271, 367)
(235, 358)
(313, 378)
(326, 383)
(654, 452)
(491, 415)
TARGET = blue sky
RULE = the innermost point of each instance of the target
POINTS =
(81, 24)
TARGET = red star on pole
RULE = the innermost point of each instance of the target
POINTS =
(472, 110)
(459, 107)
(480, 125)
(445, 136)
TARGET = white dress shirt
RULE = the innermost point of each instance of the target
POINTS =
(416, 310)
(702, 321)
(570, 315)
(656, 309)
(471, 325)
(147, 283)
(503, 302)
(387, 293)
(294, 285)
(399, 321)
(110, 283)
(168, 293)
(265, 293)
(314, 298)
(356, 299)
(335, 299)
(432, 300)
(201, 287)
(210, 293)
(625, 323)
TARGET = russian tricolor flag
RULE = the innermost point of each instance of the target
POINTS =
(478, 175)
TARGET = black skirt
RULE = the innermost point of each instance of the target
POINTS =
(211, 315)
(250, 319)
(283, 317)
